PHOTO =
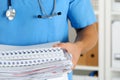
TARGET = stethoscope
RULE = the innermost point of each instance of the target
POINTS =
(11, 12)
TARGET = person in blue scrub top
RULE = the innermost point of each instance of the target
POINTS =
(43, 21)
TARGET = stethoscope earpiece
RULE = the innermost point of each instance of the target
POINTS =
(49, 16)
(39, 16)
(10, 13)
(59, 13)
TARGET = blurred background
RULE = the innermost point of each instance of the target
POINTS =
(103, 61)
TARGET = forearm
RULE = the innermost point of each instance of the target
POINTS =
(86, 38)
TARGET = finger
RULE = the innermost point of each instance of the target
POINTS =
(62, 45)
(57, 45)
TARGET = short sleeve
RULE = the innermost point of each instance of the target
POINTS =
(81, 13)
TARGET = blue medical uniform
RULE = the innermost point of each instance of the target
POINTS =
(27, 29)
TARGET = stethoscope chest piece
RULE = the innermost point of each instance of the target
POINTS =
(10, 13)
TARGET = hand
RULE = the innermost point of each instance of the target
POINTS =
(71, 48)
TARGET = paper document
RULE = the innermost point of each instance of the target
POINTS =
(38, 61)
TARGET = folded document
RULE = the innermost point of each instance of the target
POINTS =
(33, 62)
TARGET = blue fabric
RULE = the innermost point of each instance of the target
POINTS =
(70, 76)
(81, 13)
(27, 29)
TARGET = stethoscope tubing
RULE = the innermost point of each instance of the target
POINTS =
(44, 15)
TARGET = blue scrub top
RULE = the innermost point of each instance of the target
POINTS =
(27, 29)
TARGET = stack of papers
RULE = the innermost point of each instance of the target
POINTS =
(18, 62)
